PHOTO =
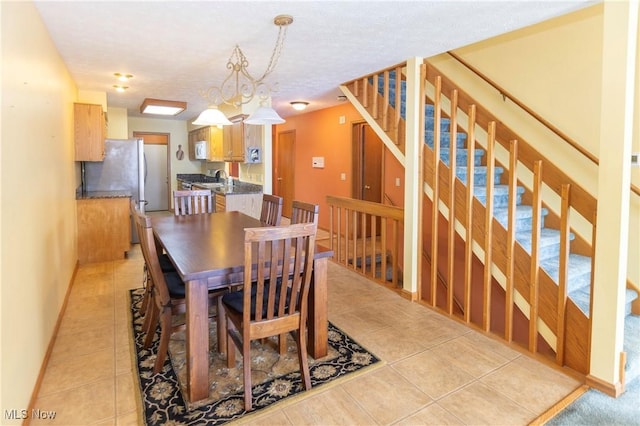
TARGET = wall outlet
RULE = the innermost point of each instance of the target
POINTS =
(397, 181)
(343, 176)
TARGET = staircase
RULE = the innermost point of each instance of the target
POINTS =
(548, 238)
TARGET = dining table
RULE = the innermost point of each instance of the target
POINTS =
(207, 251)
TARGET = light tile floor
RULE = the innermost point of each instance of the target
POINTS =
(435, 370)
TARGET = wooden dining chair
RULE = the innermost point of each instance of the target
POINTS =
(194, 201)
(165, 262)
(167, 295)
(271, 213)
(302, 212)
(274, 298)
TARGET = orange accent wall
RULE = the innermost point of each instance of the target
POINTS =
(320, 134)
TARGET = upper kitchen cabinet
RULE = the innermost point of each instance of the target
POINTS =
(90, 131)
(238, 136)
(213, 136)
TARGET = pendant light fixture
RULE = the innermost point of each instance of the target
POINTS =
(240, 87)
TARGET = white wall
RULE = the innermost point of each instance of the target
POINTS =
(38, 207)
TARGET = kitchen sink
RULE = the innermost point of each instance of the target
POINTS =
(210, 185)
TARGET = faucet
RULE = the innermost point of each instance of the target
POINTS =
(219, 172)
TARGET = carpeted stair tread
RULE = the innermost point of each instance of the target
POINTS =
(630, 296)
(479, 174)
(632, 347)
(549, 243)
(461, 156)
(579, 271)
(429, 122)
(524, 213)
(445, 138)
(500, 195)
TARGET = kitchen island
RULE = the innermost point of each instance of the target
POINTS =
(104, 227)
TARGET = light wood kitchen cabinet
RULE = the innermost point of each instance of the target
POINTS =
(237, 137)
(213, 135)
(90, 131)
(104, 229)
(193, 137)
(250, 204)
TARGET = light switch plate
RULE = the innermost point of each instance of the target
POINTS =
(317, 162)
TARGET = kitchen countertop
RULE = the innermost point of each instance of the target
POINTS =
(102, 194)
(237, 188)
(206, 181)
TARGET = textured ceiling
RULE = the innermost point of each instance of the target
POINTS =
(176, 49)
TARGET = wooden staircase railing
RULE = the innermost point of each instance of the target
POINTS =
(546, 303)
(367, 90)
(357, 243)
(526, 286)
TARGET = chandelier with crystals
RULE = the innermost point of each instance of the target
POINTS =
(240, 87)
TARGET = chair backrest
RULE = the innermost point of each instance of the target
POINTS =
(278, 263)
(150, 254)
(302, 212)
(195, 201)
(271, 209)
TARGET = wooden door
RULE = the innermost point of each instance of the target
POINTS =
(284, 169)
(367, 164)
(157, 160)
(368, 167)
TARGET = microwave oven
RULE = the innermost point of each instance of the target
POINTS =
(201, 150)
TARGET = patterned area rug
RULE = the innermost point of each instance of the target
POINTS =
(274, 377)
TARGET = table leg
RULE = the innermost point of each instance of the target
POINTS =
(317, 321)
(197, 339)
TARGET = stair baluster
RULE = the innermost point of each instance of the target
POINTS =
(488, 226)
(511, 240)
(451, 237)
(471, 177)
(563, 276)
(435, 208)
(534, 282)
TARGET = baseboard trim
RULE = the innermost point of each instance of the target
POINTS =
(52, 341)
(612, 389)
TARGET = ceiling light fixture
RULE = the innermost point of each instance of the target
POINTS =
(240, 87)
(123, 77)
(120, 88)
(162, 107)
(299, 105)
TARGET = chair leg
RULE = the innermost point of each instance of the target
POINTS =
(246, 369)
(146, 282)
(282, 343)
(150, 322)
(165, 334)
(302, 357)
(231, 351)
(221, 327)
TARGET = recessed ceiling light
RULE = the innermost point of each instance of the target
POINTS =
(299, 105)
(120, 88)
(123, 77)
(162, 107)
